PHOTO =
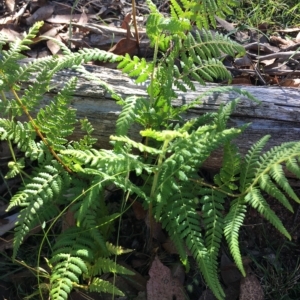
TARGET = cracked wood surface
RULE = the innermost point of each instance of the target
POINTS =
(277, 115)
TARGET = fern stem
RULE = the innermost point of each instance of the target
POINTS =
(152, 74)
(38, 132)
(155, 181)
(135, 25)
(217, 189)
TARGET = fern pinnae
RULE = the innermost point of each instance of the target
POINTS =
(131, 108)
(293, 166)
(182, 221)
(257, 201)
(101, 286)
(232, 223)
(251, 163)
(14, 53)
(212, 207)
(107, 265)
(267, 185)
(271, 162)
(70, 263)
(277, 174)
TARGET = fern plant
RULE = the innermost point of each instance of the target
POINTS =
(73, 176)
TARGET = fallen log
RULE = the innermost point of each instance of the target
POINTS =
(278, 114)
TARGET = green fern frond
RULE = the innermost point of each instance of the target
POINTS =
(224, 113)
(187, 223)
(136, 145)
(136, 67)
(228, 177)
(267, 185)
(102, 286)
(277, 174)
(8, 63)
(232, 224)
(131, 112)
(106, 265)
(116, 250)
(18, 133)
(71, 253)
(251, 162)
(15, 168)
(46, 184)
(257, 201)
(57, 120)
(203, 12)
(90, 201)
(87, 141)
(293, 166)
(176, 9)
(212, 207)
(182, 221)
(208, 45)
(34, 93)
(271, 162)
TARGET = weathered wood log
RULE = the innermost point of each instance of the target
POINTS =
(277, 115)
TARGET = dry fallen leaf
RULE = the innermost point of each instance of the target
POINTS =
(139, 212)
(169, 246)
(230, 274)
(68, 220)
(298, 37)
(136, 280)
(83, 19)
(155, 229)
(41, 14)
(54, 47)
(10, 4)
(126, 45)
(126, 21)
(162, 285)
(290, 82)
(250, 288)
(8, 223)
(280, 42)
(11, 34)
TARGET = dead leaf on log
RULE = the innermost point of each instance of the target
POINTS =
(126, 21)
(290, 82)
(41, 14)
(161, 285)
(126, 45)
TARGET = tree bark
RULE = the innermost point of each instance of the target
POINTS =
(277, 115)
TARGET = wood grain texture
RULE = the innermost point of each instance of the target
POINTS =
(278, 114)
